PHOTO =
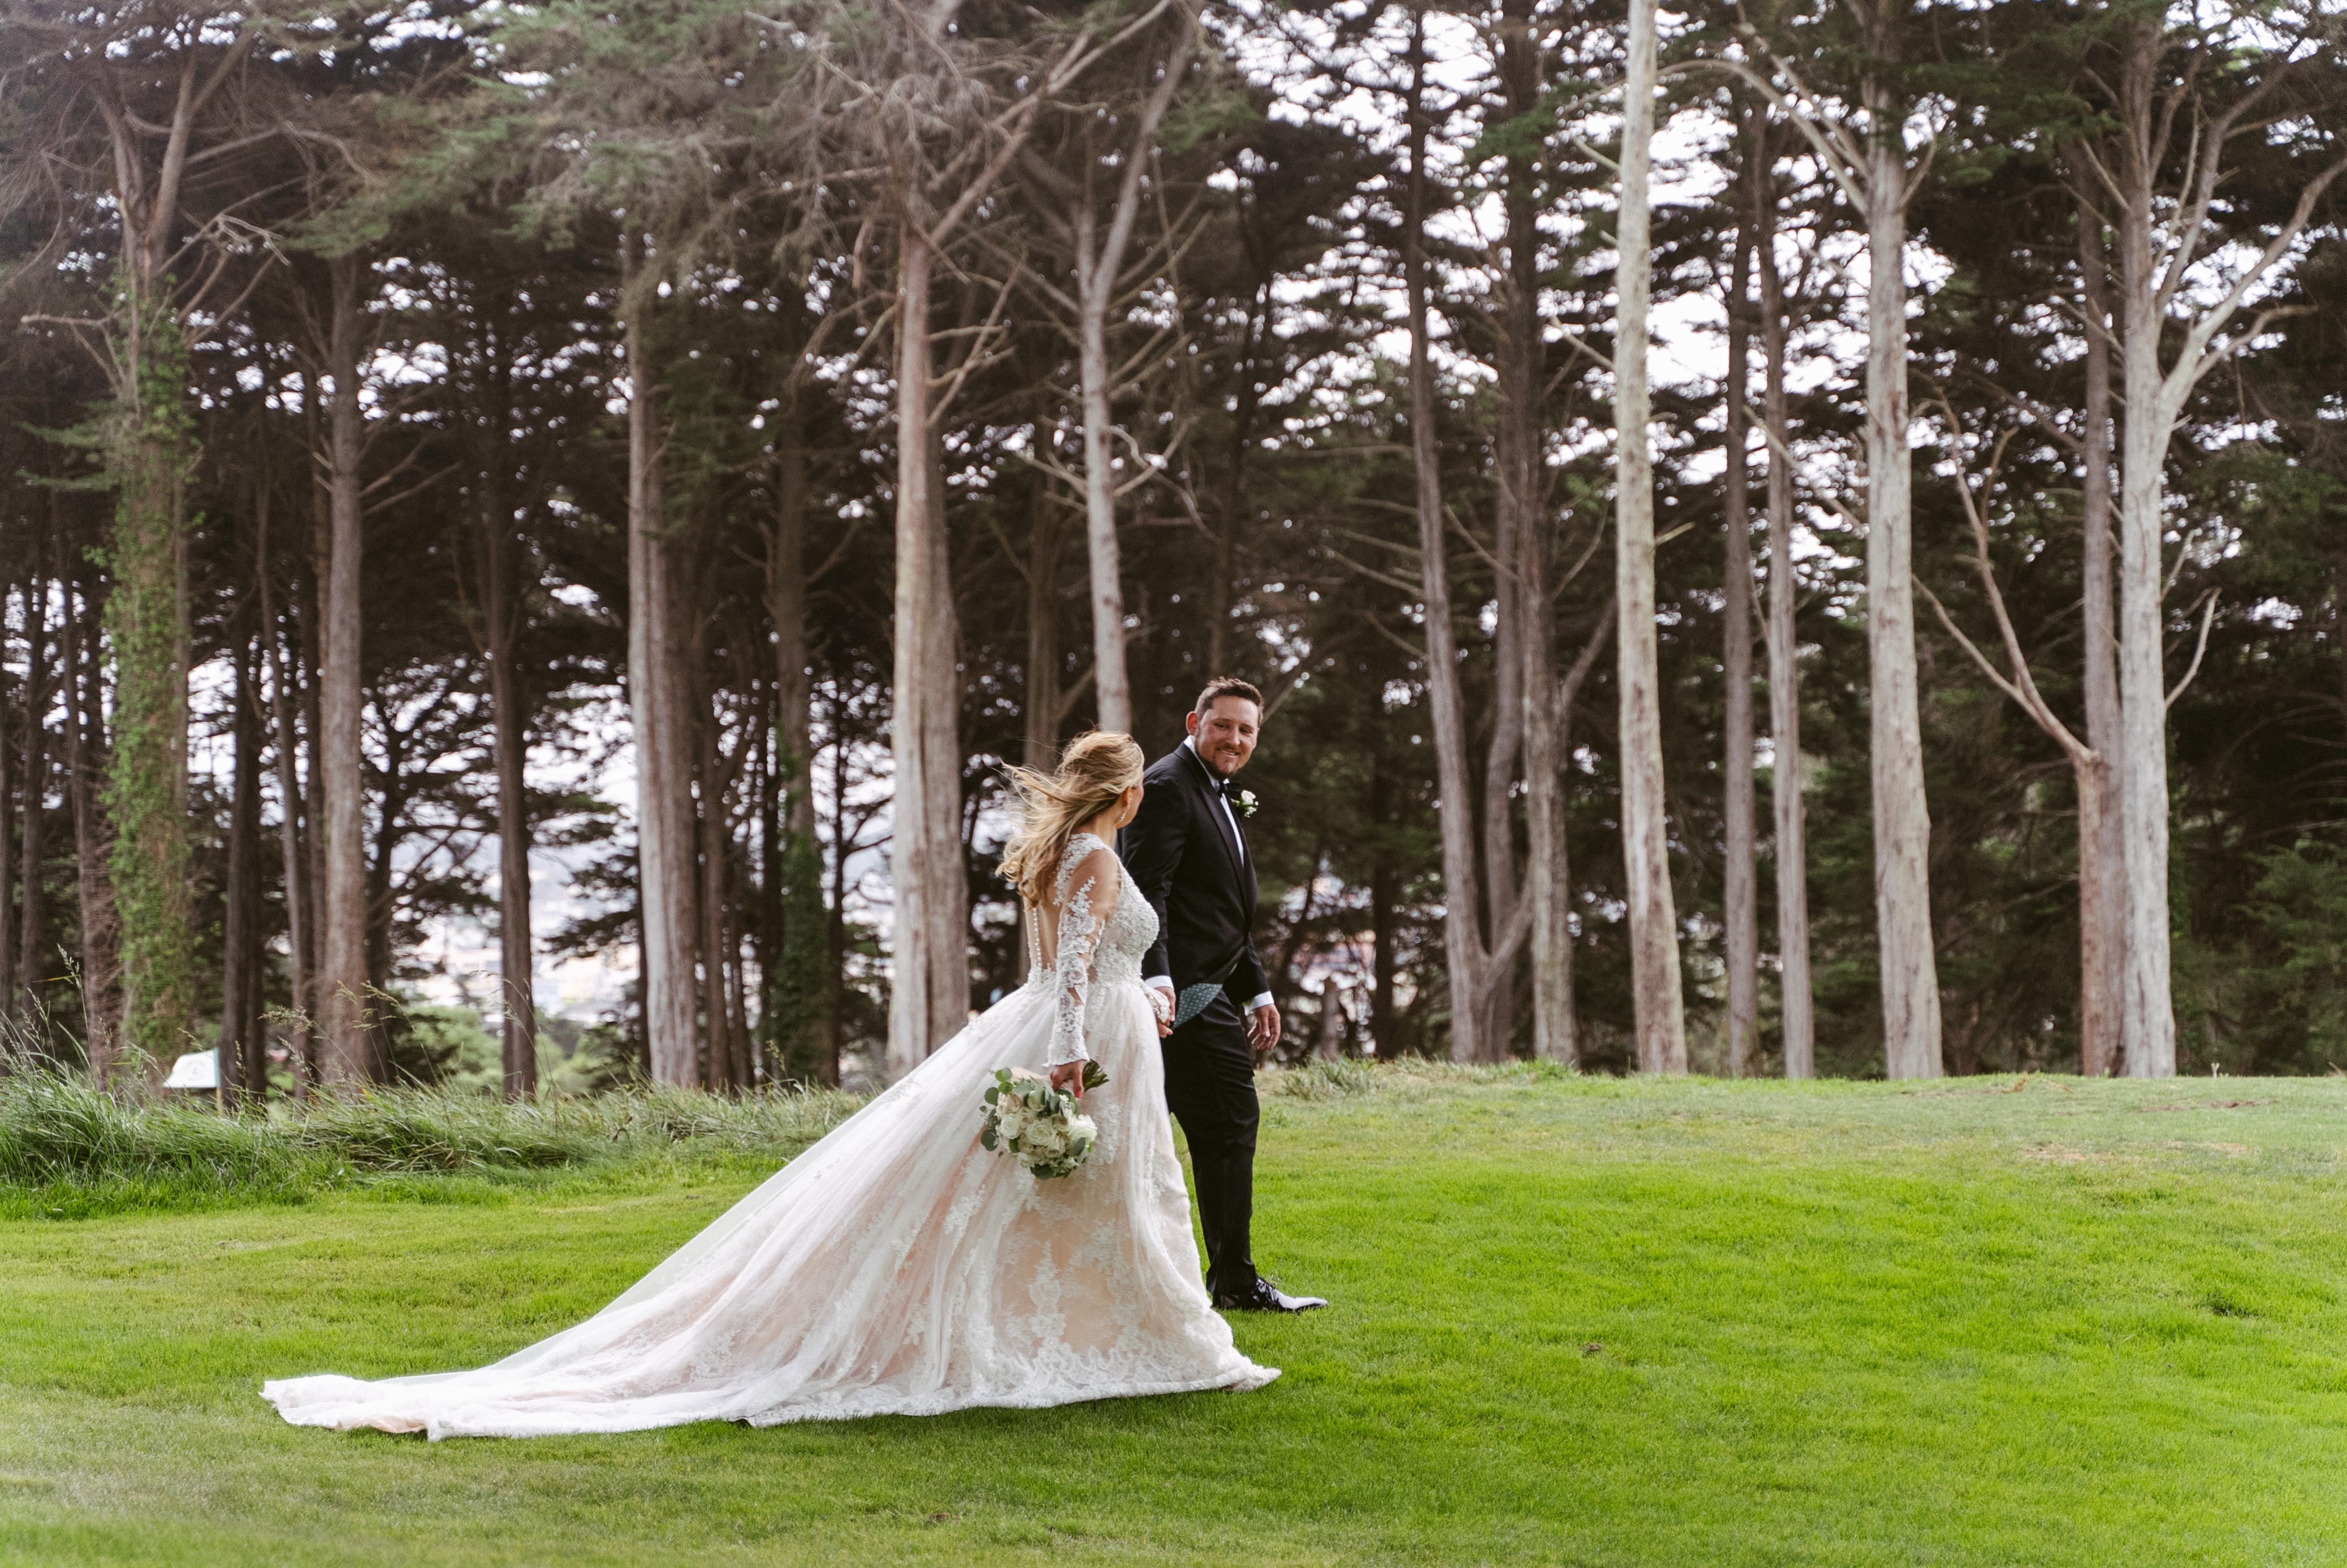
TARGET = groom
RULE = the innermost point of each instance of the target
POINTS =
(1189, 853)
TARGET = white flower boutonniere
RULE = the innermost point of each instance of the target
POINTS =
(1247, 802)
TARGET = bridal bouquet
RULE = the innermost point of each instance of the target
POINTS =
(1044, 1128)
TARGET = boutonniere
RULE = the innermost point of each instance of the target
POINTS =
(1247, 802)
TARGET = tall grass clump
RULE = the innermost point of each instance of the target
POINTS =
(65, 1143)
(1315, 1078)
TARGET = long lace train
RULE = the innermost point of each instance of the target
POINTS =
(895, 1267)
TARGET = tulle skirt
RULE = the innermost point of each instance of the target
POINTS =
(893, 1268)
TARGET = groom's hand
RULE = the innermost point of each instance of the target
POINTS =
(1263, 1029)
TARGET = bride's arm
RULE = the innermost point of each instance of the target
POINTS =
(1092, 892)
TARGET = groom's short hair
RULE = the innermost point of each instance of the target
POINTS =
(1226, 686)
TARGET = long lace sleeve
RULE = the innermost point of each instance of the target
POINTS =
(1088, 891)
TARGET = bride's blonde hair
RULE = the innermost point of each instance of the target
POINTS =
(1097, 767)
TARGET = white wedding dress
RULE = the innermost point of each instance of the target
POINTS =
(896, 1267)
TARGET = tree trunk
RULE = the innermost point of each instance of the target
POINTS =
(33, 958)
(1548, 874)
(737, 1006)
(1112, 689)
(771, 913)
(101, 930)
(384, 842)
(787, 606)
(1902, 822)
(1512, 534)
(658, 705)
(1043, 631)
(2150, 1026)
(834, 922)
(1795, 1002)
(798, 1028)
(1657, 1000)
(346, 1057)
(1741, 895)
(517, 993)
(243, 1066)
(7, 828)
(930, 996)
(148, 762)
(711, 823)
(1385, 883)
(1246, 405)
(1462, 943)
(294, 864)
(2102, 845)
(1099, 260)
(1549, 754)
(310, 684)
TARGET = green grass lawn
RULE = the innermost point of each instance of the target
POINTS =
(1574, 1322)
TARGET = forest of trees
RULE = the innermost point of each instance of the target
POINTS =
(1803, 540)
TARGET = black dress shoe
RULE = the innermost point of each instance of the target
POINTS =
(1267, 1298)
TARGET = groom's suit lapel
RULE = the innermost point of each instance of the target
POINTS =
(1222, 820)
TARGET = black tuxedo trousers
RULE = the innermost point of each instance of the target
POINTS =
(1210, 1088)
(1191, 863)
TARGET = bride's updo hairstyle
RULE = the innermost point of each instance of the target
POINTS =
(1097, 767)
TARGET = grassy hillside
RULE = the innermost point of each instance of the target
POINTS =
(1575, 1322)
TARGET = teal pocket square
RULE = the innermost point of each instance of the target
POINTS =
(1194, 1000)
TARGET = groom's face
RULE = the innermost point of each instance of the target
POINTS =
(1226, 734)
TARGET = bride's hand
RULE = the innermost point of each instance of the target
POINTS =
(1069, 1076)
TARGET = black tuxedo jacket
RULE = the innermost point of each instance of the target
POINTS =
(1198, 877)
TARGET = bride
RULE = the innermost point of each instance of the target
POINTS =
(896, 1267)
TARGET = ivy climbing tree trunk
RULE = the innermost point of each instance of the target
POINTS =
(147, 786)
(148, 459)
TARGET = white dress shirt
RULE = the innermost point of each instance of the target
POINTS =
(1165, 982)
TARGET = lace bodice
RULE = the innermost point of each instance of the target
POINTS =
(1105, 927)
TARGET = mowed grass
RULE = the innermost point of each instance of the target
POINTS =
(1575, 1321)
